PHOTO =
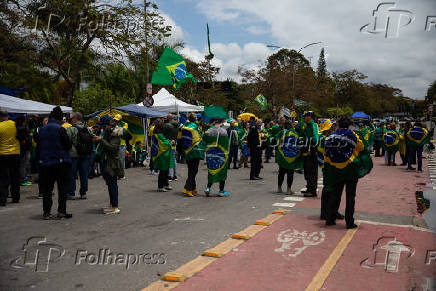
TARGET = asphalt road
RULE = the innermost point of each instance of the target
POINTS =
(167, 229)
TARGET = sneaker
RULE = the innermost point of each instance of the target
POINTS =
(114, 210)
(40, 196)
(107, 208)
(351, 226)
(168, 188)
(27, 183)
(175, 178)
(207, 191)
(71, 197)
(419, 171)
(83, 197)
(64, 215)
(308, 194)
(224, 193)
(195, 192)
(188, 193)
(47, 216)
(162, 190)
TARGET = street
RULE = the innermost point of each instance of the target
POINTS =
(173, 230)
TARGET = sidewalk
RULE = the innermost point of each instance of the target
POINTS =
(299, 252)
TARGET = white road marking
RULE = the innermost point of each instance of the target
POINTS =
(397, 225)
(284, 204)
(294, 242)
(296, 199)
(188, 219)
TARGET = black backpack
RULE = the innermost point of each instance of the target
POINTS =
(84, 142)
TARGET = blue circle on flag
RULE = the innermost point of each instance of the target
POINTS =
(417, 133)
(339, 148)
(180, 72)
(154, 147)
(215, 158)
(289, 146)
(390, 138)
(186, 139)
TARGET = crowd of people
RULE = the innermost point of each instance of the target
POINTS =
(62, 152)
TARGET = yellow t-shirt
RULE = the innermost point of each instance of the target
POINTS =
(9, 144)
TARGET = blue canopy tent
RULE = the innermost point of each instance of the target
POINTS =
(141, 111)
(360, 115)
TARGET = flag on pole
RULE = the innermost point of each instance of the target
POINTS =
(171, 70)
(262, 101)
(211, 55)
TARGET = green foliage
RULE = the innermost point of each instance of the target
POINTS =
(431, 93)
(96, 98)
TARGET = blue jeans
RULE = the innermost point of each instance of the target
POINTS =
(80, 165)
(173, 152)
(112, 185)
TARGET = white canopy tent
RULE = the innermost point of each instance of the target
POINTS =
(165, 101)
(18, 105)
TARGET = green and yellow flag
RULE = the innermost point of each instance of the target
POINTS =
(289, 150)
(191, 141)
(161, 152)
(417, 136)
(171, 70)
(262, 101)
(217, 157)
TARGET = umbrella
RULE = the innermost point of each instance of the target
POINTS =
(246, 116)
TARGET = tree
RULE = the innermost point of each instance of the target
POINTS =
(321, 72)
(431, 93)
(71, 35)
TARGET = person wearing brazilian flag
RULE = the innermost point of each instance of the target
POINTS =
(161, 154)
(391, 139)
(309, 132)
(217, 144)
(343, 167)
(288, 156)
(326, 129)
(416, 138)
(193, 150)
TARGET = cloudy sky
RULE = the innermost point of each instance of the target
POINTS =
(242, 29)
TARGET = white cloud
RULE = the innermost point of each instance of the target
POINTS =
(257, 30)
(407, 62)
(177, 31)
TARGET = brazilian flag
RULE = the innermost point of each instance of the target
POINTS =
(417, 136)
(342, 147)
(391, 140)
(289, 150)
(217, 157)
(262, 101)
(161, 152)
(191, 141)
(171, 70)
(365, 136)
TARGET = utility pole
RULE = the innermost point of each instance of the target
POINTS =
(146, 42)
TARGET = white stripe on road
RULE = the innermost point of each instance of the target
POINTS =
(398, 225)
(295, 199)
(284, 204)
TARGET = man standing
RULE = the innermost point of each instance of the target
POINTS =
(80, 153)
(170, 131)
(232, 132)
(9, 160)
(417, 137)
(254, 145)
(309, 132)
(124, 125)
(342, 168)
(55, 164)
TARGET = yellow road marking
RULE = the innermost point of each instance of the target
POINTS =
(323, 273)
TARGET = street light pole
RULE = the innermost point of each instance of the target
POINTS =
(146, 41)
